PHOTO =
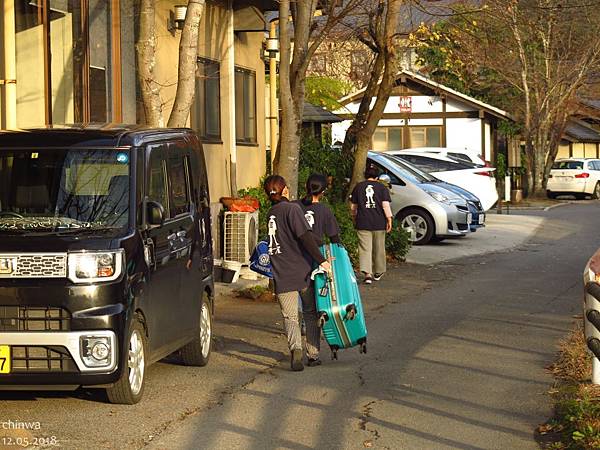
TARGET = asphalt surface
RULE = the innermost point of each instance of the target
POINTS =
(456, 359)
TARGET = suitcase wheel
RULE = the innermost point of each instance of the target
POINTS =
(350, 312)
(363, 347)
(334, 354)
(322, 319)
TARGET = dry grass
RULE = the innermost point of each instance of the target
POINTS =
(576, 424)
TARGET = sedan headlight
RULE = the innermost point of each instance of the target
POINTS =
(89, 267)
(442, 198)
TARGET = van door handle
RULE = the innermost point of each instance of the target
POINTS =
(181, 234)
(172, 237)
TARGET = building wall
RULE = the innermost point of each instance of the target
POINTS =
(460, 132)
(251, 159)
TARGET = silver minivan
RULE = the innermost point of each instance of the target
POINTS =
(428, 212)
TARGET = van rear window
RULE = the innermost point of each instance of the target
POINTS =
(568, 165)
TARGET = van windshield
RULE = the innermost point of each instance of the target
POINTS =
(64, 190)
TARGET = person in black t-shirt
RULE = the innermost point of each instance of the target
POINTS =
(373, 219)
(292, 248)
(318, 215)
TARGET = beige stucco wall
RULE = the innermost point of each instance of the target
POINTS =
(251, 164)
(563, 151)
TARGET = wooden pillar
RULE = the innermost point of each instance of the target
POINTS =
(8, 76)
(444, 134)
(115, 61)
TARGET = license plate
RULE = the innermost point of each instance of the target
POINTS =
(481, 219)
(4, 359)
(469, 218)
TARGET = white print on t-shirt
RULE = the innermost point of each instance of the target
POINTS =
(310, 218)
(274, 247)
(369, 192)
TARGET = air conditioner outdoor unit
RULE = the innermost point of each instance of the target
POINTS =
(240, 236)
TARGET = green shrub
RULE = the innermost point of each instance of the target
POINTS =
(397, 243)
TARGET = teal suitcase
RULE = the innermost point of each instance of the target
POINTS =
(339, 309)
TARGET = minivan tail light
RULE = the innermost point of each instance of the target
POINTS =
(582, 175)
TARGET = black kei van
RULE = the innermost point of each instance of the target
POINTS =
(105, 256)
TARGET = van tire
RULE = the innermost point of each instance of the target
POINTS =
(121, 392)
(197, 352)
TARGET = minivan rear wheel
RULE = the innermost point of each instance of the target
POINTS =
(418, 224)
(197, 352)
(129, 389)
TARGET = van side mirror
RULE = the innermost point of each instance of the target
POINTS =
(155, 213)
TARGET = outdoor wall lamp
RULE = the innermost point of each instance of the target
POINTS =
(176, 18)
(272, 46)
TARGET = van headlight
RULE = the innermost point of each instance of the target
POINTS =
(89, 267)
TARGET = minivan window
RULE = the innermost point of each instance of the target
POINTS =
(568, 165)
(64, 189)
(157, 176)
(178, 180)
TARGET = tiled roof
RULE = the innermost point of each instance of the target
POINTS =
(579, 131)
(316, 114)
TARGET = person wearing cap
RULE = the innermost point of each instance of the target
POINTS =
(292, 250)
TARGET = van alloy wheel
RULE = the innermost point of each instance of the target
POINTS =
(205, 330)
(136, 362)
(197, 351)
(129, 388)
(415, 226)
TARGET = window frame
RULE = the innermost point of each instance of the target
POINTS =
(163, 162)
(179, 150)
(201, 129)
(245, 140)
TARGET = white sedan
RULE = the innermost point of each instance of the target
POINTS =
(480, 181)
(578, 177)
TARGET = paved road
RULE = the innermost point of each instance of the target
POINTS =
(456, 359)
(461, 366)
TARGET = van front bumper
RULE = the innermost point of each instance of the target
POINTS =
(62, 358)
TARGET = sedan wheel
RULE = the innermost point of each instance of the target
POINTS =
(415, 226)
(596, 193)
(418, 224)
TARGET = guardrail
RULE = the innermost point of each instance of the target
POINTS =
(591, 314)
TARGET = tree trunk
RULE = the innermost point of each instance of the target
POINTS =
(188, 55)
(146, 62)
(286, 158)
(365, 132)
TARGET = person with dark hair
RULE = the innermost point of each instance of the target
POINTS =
(372, 215)
(292, 248)
(318, 215)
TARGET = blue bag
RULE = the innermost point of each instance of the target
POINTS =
(260, 260)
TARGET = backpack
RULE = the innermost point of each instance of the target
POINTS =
(260, 260)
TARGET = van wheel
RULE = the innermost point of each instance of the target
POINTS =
(129, 388)
(596, 193)
(418, 224)
(197, 352)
